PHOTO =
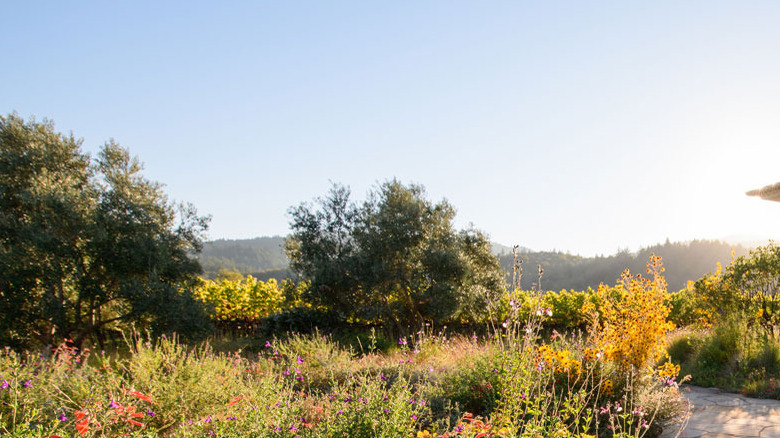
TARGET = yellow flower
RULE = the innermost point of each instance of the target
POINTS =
(607, 386)
(668, 370)
(634, 314)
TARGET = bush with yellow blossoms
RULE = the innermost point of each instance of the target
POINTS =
(248, 300)
(633, 319)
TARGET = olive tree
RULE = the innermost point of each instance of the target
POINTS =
(396, 258)
(88, 245)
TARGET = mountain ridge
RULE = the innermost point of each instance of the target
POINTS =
(263, 258)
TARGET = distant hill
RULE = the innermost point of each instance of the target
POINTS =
(247, 256)
(263, 258)
(683, 262)
(500, 250)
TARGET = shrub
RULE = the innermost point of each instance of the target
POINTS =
(246, 300)
(570, 309)
(683, 347)
(634, 312)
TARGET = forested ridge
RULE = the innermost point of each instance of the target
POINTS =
(685, 261)
(247, 256)
(263, 258)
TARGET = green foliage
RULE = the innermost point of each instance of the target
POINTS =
(395, 259)
(735, 355)
(683, 347)
(86, 246)
(741, 304)
(569, 309)
(754, 281)
(718, 351)
(687, 308)
(474, 387)
(748, 286)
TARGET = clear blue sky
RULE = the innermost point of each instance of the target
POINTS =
(579, 126)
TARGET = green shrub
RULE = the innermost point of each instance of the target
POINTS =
(683, 347)
(767, 357)
(720, 349)
(472, 386)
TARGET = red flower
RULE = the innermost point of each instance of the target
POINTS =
(235, 400)
(82, 426)
(141, 396)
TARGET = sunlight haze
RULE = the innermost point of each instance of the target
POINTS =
(575, 126)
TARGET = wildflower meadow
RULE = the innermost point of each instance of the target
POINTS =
(522, 378)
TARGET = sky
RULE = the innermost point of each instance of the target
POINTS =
(584, 127)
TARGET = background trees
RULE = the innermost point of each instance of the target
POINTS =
(396, 258)
(86, 246)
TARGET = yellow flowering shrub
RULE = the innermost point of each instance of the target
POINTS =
(607, 387)
(697, 305)
(245, 300)
(668, 370)
(561, 361)
(634, 318)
